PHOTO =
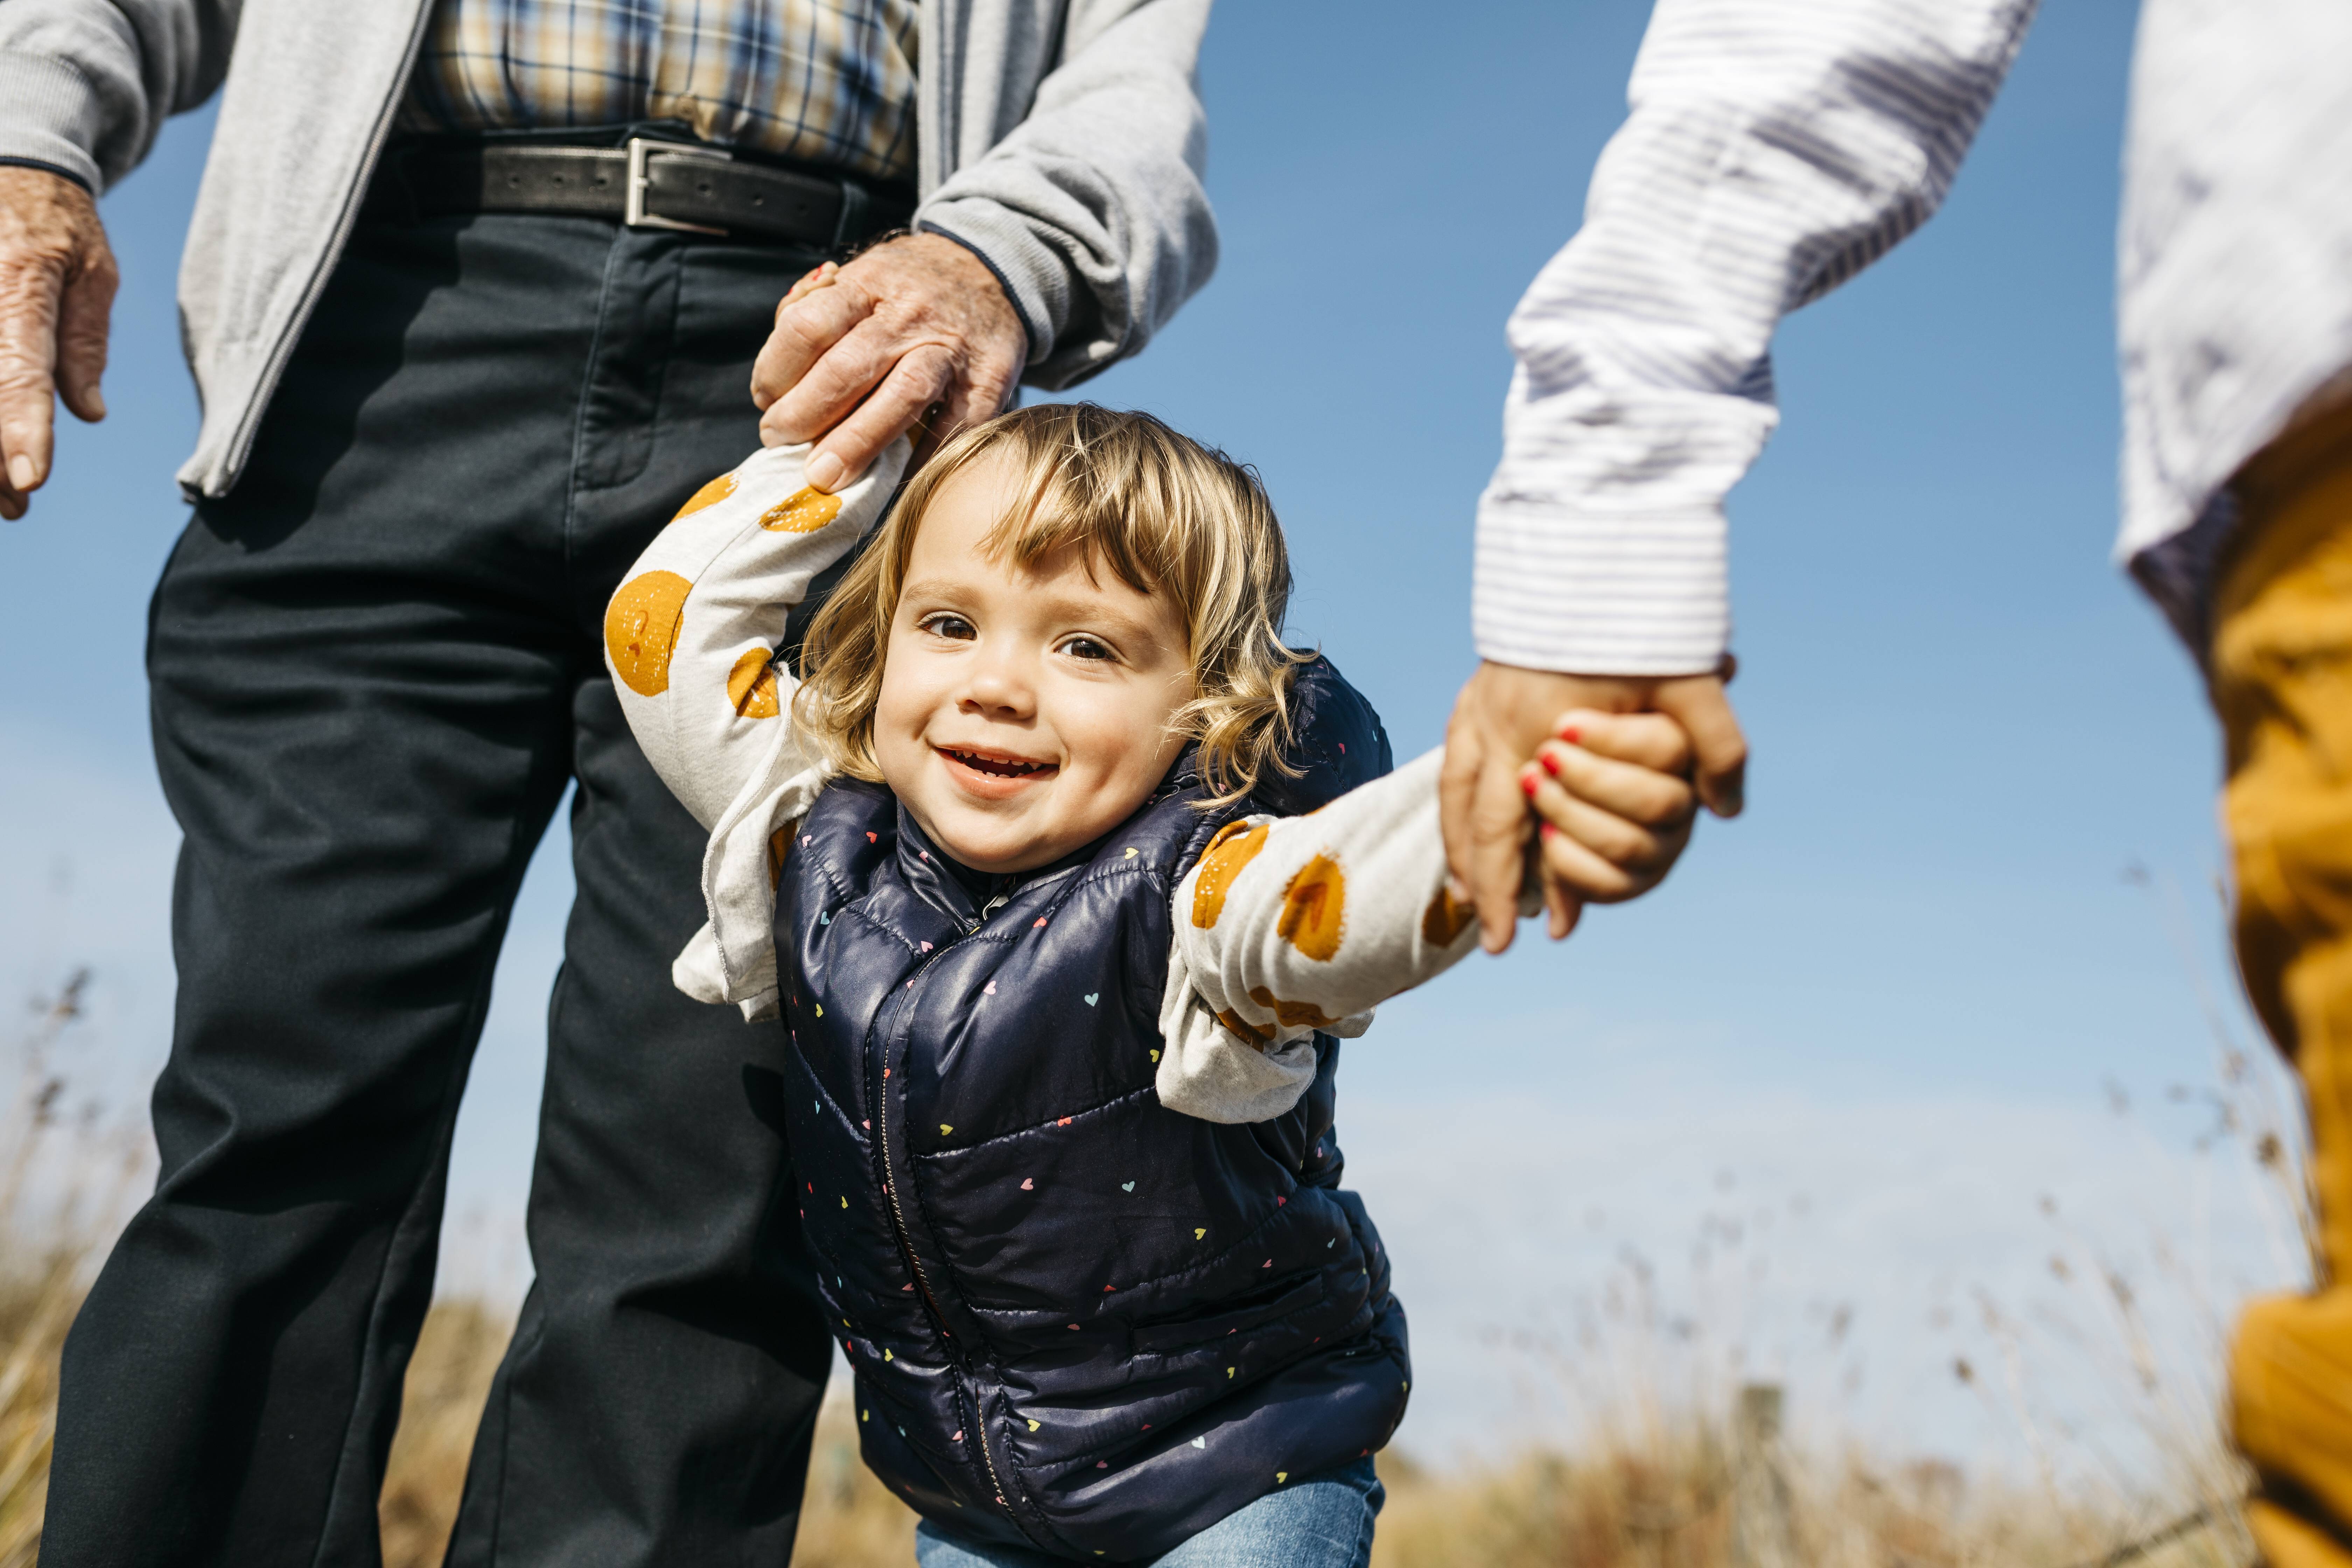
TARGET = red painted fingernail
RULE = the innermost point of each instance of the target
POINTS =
(1570, 733)
(1528, 783)
(1550, 764)
(1549, 830)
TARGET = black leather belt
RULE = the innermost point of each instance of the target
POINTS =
(647, 183)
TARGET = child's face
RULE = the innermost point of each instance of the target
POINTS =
(1022, 714)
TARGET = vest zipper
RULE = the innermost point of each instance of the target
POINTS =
(906, 1242)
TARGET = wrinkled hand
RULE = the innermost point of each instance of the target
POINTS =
(1503, 714)
(57, 287)
(859, 352)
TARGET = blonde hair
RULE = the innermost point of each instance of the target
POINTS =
(1164, 512)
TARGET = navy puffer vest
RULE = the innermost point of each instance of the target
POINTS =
(1080, 1323)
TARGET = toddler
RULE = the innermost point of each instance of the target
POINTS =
(1024, 867)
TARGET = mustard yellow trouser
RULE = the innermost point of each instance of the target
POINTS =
(2281, 670)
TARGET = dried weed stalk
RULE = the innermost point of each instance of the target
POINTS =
(1657, 1479)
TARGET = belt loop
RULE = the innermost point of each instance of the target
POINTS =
(851, 226)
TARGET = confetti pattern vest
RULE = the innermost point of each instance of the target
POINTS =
(1080, 1322)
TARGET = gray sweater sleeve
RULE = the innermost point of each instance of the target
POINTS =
(86, 84)
(1090, 209)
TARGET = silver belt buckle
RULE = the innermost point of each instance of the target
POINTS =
(633, 197)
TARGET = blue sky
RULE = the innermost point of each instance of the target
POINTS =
(1899, 983)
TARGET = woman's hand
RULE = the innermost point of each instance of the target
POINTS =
(1614, 800)
(1503, 715)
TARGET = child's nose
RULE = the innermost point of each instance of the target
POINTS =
(1001, 685)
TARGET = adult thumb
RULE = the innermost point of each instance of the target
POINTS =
(1719, 750)
(82, 321)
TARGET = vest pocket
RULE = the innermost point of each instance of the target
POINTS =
(1245, 1312)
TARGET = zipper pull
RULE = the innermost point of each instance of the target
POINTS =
(989, 909)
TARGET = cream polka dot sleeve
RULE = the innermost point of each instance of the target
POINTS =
(690, 639)
(1292, 925)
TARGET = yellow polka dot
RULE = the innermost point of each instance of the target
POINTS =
(1298, 1014)
(1446, 919)
(803, 512)
(1312, 908)
(1248, 1031)
(641, 630)
(1234, 846)
(711, 494)
(751, 685)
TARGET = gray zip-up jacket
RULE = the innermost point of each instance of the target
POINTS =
(1061, 139)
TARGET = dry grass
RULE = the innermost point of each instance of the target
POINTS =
(1673, 1501)
(1667, 1503)
(46, 1242)
(1663, 1504)
(1688, 1506)
(850, 1520)
(456, 1352)
(36, 1303)
(1668, 1485)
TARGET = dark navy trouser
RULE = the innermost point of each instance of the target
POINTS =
(375, 666)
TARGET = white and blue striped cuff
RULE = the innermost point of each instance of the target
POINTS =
(1599, 594)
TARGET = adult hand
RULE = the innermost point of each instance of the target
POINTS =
(56, 287)
(1503, 714)
(859, 352)
(1613, 802)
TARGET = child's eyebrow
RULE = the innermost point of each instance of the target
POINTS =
(947, 588)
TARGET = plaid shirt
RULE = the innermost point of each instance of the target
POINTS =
(827, 81)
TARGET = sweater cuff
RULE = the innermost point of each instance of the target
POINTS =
(50, 118)
(1036, 280)
(8, 162)
(1581, 593)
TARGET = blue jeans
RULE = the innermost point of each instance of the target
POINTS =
(1326, 1522)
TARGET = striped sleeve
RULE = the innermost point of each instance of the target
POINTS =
(1774, 149)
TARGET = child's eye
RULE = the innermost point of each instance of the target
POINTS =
(955, 628)
(1087, 647)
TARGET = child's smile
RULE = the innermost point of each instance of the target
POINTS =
(1024, 713)
(994, 767)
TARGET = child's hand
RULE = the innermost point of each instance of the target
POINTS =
(1613, 796)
